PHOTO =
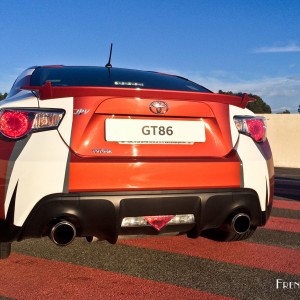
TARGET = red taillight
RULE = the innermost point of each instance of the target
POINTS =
(252, 126)
(256, 129)
(15, 124)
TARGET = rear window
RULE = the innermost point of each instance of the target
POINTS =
(22, 80)
(113, 77)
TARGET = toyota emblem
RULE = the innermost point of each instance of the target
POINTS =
(158, 107)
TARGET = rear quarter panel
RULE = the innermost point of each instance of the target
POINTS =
(256, 161)
(38, 164)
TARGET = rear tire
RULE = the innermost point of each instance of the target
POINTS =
(5, 250)
(221, 235)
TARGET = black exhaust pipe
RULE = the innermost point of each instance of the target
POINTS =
(62, 233)
(241, 223)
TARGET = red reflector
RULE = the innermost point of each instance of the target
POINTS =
(256, 129)
(158, 222)
(15, 124)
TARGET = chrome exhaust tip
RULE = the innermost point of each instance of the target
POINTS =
(62, 233)
(241, 223)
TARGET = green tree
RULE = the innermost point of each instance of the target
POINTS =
(286, 112)
(3, 96)
(258, 106)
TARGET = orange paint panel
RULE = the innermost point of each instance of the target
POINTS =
(93, 137)
(121, 176)
(91, 113)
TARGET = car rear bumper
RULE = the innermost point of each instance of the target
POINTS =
(152, 173)
(101, 214)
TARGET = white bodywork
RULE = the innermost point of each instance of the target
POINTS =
(252, 159)
(43, 159)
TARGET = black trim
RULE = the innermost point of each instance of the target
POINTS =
(17, 150)
(67, 173)
(101, 214)
(265, 149)
(242, 180)
(8, 231)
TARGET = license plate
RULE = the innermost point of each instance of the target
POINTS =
(128, 131)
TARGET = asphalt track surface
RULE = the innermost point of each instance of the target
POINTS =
(168, 267)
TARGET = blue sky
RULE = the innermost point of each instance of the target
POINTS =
(240, 46)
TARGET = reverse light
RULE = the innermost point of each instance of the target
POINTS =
(252, 126)
(17, 123)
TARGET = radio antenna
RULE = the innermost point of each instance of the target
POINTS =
(108, 65)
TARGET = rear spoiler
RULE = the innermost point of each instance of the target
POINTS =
(48, 91)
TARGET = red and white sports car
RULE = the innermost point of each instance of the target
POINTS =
(105, 152)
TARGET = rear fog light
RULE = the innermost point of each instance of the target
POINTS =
(158, 222)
